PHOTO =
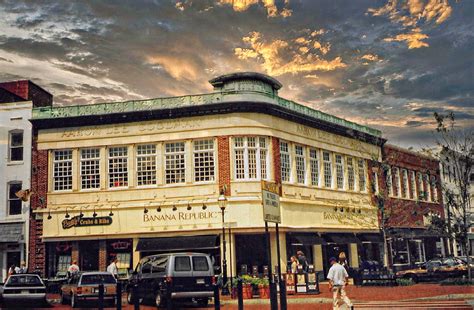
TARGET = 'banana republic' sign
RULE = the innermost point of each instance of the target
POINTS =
(78, 221)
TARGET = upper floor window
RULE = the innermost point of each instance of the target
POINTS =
(15, 145)
(339, 172)
(146, 164)
(118, 166)
(314, 165)
(435, 189)
(90, 168)
(327, 163)
(350, 173)
(396, 182)
(300, 164)
(250, 154)
(389, 181)
(285, 162)
(404, 183)
(13, 203)
(412, 185)
(375, 182)
(203, 160)
(62, 170)
(426, 180)
(361, 173)
(421, 188)
(175, 170)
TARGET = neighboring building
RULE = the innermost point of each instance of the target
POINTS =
(129, 179)
(408, 185)
(451, 172)
(16, 101)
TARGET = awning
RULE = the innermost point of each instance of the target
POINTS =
(186, 243)
(374, 238)
(305, 238)
(340, 238)
(11, 232)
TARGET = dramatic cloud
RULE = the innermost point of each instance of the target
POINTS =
(388, 65)
(281, 57)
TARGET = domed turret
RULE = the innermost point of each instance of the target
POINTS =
(246, 81)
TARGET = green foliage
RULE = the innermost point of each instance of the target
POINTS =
(246, 279)
(404, 282)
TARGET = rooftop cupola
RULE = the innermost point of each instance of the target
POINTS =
(246, 82)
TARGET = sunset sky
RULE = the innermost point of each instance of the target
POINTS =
(386, 64)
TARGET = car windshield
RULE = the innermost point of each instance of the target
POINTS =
(23, 281)
(97, 279)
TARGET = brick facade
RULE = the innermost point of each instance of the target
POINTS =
(28, 90)
(103, 255)
(39, 188)
(276, 160)
(223, 157)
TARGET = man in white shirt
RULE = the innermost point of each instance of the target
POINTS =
(73, 269)
(338, 277)
(112, 268)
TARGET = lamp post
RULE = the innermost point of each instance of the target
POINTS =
(222, 204)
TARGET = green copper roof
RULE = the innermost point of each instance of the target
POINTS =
(230, 88)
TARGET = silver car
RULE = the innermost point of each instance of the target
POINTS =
(20, 288)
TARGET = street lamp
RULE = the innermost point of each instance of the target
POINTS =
(222, 204)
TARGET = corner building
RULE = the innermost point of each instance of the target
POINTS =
(134, 178)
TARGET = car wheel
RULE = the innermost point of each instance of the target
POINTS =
(159, 301)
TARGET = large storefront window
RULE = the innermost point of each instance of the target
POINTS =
(59, 258)
(417, 251)
(122, 250)
(399, 248)
(250, 250)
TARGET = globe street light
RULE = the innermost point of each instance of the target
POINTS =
(222, 204)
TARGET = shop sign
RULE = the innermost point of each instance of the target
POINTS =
(121, 245)
(271, 202)
(79, 221)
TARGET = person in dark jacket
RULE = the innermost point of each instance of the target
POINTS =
(302, 260)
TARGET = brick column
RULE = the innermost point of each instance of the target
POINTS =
(223, 157)
(102, 255)
(39, 188)
(276, 160)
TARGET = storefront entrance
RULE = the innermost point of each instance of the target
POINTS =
(250, 250)
(89, 255)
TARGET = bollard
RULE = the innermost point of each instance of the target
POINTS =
(240, 295)
(273, 296)
(118, 297)
(136, 299)
(101, 296)
(217, 301)
(283, 303)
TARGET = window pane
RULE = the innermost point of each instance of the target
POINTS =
(182, 263)
(350, 174)
(16, 138)
(175, 163)
(404, 183)
(62, 170)
(239, 164)
(14, 203)
(204, 160)
(327, 169)
(118, 166)
(200, 263)
(314, 163)
(146, 164)
(396, 182)
(300, 164)
(339, 172)
(285, 162)
(361, 173)
(90, 168)
(16, 153)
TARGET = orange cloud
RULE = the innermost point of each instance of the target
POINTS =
(180, 68)
(279, 57)
(413, 39)
(413, 14)
(244, 5)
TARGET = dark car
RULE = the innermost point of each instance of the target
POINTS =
(177, 276)
(21, 288)
(435, 269)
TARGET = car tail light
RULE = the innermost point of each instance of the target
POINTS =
(213, 280)
(169, 279)
(79, 290)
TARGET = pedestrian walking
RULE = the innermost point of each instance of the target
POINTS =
(343, 260)
(338, 279)
(11, 270)
(22, 268)
(294, 264)
(73, 268)
(112, 268)
(303, 261)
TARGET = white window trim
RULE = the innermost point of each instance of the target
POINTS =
(8, 215)
(128, 167)
(164, 163)
(290, 162)
(80, 170)
(10, 133)
(158, 167)
(341, 166)
(318, 166)
(258, 162)
(404, 182)
(73, 172)
(303, 156)
(214, 142)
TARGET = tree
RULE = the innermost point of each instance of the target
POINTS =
(458, 145)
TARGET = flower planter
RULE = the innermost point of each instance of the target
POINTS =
(264, 291)
(247, 291)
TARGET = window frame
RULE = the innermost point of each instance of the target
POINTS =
(340, 175)
(361, 175)
(257, 149)
(174, 153)
(315, 165)
(351, 174)
(396, 182)
(330, 163)
(60, 161)
(287, 154)
(413, 189)
(14, 198)
(202, 151)
(81, 161)
(300, 162)
(404, 184)
(127, 173)
(140, 156)
(11, 147)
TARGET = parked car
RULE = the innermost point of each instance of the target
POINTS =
(464, 259)
(435, 269)
(176, 276)
(20, 288)
(82, 287)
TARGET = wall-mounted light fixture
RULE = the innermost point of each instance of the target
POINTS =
(145, 210)
(67, 214)
(49, 214)
(111, 213)
(189, 207)
(174, 208)
(204, 207)
(94, 214)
